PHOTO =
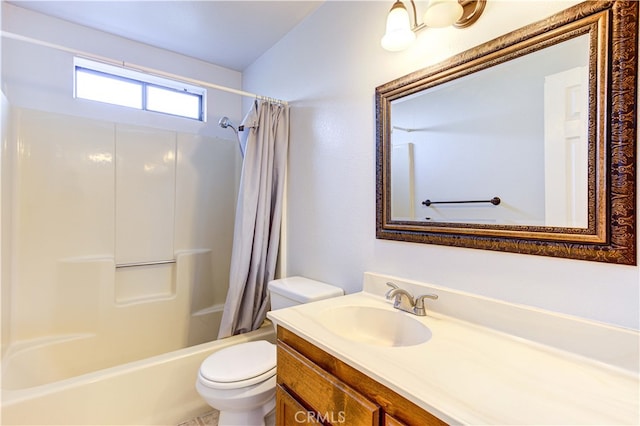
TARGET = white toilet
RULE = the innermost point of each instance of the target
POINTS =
(240, 381)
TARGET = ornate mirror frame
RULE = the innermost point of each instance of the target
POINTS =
(612, 27)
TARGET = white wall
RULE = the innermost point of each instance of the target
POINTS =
(328, 67)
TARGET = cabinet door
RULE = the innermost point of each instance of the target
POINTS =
(333, 401)
(291, 412)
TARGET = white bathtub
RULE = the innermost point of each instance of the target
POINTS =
(154, 391)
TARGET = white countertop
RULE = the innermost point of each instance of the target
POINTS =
(468, 374)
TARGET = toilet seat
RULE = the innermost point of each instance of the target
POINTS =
(239, 366)
(239, 384)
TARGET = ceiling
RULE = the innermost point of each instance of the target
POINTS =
(232, 34)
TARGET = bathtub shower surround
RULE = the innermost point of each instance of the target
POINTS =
(121, 244)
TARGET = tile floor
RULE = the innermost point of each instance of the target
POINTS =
(207, 419)
(211, 419)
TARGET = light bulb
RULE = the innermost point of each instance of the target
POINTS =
(398, 35)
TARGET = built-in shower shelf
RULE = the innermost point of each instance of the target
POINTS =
(145, 282)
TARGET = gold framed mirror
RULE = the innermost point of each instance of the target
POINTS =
(524, 144)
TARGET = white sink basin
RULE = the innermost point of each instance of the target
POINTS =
(375, 326)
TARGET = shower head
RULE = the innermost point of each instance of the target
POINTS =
(225, 122)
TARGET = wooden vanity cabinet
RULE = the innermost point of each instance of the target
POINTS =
(316, 388)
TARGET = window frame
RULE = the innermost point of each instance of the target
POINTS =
(144, 80)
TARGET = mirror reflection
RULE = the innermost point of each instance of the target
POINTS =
(517, 131)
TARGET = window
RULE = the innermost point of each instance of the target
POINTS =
(114, 85)
(97, 86)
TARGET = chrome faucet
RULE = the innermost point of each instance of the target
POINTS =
(404, 301)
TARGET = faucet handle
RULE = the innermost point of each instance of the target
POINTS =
(393, 287)
(419, 306)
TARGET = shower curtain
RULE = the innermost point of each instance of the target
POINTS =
(258, 216)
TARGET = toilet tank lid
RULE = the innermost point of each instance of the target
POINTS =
(303, 289)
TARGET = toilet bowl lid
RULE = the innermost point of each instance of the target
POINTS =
(240, 362)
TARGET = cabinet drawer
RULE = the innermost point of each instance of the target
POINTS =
(334, 401)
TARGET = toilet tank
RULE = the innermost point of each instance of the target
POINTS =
(293, 291)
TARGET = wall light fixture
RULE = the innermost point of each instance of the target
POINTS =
(401, 32)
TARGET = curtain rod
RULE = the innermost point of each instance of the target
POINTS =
(134, 67)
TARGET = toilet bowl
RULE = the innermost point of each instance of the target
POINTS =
(240, 381)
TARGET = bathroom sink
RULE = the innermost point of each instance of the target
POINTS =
(375, 326)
